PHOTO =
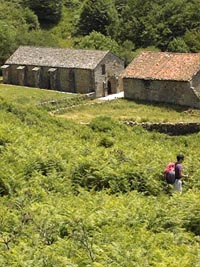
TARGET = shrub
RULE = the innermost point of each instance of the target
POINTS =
(103, 124)
(106, 142)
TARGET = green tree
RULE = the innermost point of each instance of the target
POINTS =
(48, 11)
(7, 40)
(192, 39)
(15, 22)
(158, 22)
(178, 45)
(96, 40)
(100, 16)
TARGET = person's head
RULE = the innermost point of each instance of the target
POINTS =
(180, 157)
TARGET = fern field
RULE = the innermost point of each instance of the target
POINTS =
(88, 192)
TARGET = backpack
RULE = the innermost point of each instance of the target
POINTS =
(169, 173)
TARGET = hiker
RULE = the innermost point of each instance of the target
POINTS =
(179, 173)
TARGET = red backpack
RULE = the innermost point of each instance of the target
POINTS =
(169, 173)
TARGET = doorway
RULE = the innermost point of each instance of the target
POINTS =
(109, 88)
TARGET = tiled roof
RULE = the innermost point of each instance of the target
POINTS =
(56, 57)
(164, 66)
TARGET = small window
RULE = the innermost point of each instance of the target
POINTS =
(103, 69)
(147, 84)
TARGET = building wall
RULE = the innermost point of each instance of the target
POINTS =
(84, 81)
(196, 82)
(102, 80)
(107, 73)
(13, 75)
(75, 80)
(174, 92)
(6, 73)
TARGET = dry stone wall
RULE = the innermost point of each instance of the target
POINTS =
(180, 128)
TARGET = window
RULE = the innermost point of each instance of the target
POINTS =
(147, 84)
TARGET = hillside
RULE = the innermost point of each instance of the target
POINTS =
(91, 193)
(124, 28)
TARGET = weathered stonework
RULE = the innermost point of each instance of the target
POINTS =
(173, 92)
(67, 70)
(164, 77)
(180, 128)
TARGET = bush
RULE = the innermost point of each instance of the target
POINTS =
(103, 124)
(106, 142)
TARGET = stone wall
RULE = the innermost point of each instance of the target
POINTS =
(195, 83)
(108, 71)
(180, 128)
(74, 80)
(174, 92)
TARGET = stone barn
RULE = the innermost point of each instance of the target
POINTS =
(164, 77)
(67, 70)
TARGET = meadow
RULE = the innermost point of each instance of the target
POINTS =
(82, 189)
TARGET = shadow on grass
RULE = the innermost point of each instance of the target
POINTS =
(166, 106)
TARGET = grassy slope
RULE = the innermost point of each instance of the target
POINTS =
(29, 95)
(47, 225)
(135, 111)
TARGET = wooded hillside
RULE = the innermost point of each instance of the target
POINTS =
(121, 26)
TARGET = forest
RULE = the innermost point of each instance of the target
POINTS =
(124, 27)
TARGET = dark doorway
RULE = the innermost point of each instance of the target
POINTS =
(109, 88)
(72, 85)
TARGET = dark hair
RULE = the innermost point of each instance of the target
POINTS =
(180, 156)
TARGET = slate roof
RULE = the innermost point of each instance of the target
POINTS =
(56, 57)
(164, 66)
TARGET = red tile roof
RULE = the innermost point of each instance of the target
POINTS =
(164, 66)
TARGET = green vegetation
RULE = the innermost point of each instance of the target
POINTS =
(92, 194)
(80, 188)
(30, 96)
(124, 27)
(126, 110)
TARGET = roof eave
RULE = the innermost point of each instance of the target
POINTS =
(156, 79)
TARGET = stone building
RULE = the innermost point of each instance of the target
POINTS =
(164, 77)
(67, 70)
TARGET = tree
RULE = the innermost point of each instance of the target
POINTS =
(7, 40)
(96, 40)
(178, 45)
(100, 16)
(158, 22)
(192, 39)
(48, 11)
(15, 22)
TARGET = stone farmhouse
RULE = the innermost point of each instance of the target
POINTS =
(67, 70)
(164, 77)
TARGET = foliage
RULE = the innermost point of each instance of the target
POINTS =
(157, 22)
(103, 124)
(39, 38)
(178, 45)
(18, 21)
(46, 10)
(124, 27)
(96, 40)
(126, 110)
(192, 39)
(92, 194)
(100, 16)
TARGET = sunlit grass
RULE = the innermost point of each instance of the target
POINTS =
(120, 109)
(29, 95)
(130, 110)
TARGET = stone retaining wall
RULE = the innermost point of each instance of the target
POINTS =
(180, 128)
